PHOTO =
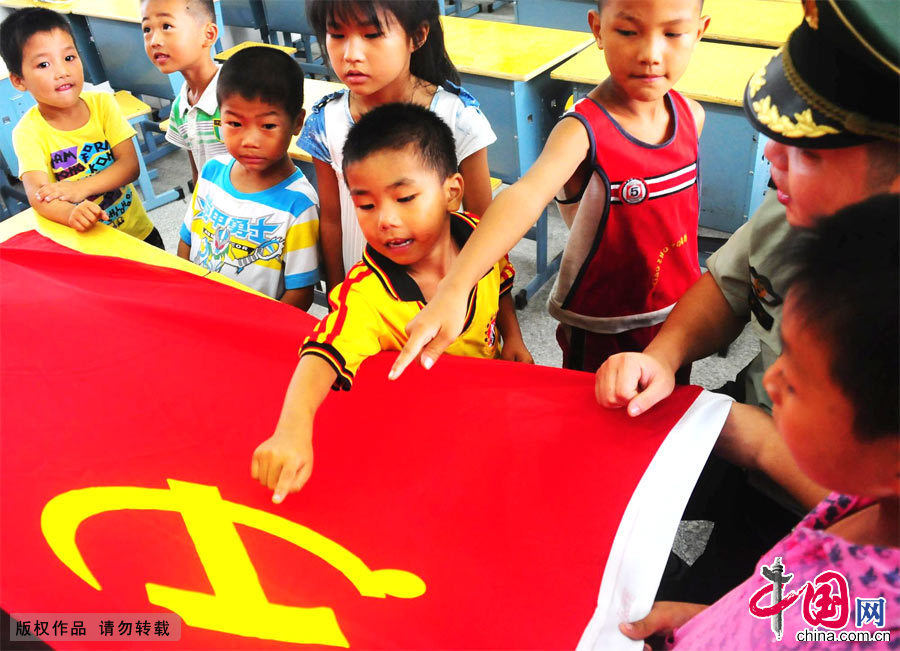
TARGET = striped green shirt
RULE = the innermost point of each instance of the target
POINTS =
(197, 128)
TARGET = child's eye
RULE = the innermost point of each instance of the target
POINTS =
(43, 64)
(71, 57)
(233, 124)
(626, 32)
(673, 34)
(146, 30)
(270, 126)
(335, 35)
(372, 35)
(365, 206)
(407, 199)
(167, 26)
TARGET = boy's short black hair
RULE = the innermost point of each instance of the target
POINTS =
(398, 126)
(600, 4)
(846, 290)
(263, 73)
(20, 26)
(201, 8)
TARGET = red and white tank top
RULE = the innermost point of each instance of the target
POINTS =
(632, 248)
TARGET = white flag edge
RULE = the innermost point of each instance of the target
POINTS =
(641, 546)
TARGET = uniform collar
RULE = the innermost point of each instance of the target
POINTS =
(397, 282)
(208, 102)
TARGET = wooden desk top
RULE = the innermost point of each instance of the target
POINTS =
(126, 11)
(754, 22)
(313, 91)
(130, 105)
(60, 6)
(508, 50)
(227, 54)
(718, 72)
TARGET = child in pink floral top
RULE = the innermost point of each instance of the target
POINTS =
(835, 391)
(871, 571)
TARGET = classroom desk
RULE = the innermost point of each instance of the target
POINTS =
(137, 112)
(245, 13)
(561, 14)
(116, 28)
(289, 17)
(733, 170)
(765, 23)
(507, 68)
(11, 109)
(90, 59)
(230, 52)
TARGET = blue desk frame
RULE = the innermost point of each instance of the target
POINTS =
(245, 13)
(559, 14)
(290, 18)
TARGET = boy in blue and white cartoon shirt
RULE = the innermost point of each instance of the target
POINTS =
(254, 216)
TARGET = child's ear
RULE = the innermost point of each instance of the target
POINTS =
(17, 81)
(298, 123)
(453, 189)
(594, 23)
(210, 34)
(704, 25)
(421, 35)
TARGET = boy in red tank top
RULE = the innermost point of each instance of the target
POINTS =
(626, 160)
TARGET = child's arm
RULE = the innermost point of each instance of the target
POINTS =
(194, 172)
(477, 193)
(184, 250)
(301, 297)
(477, 196)
(81, 217)
(664, 617)
(330, 231)
(123, 171)
(699, 114)
(283, 462)
(701, 323)
(504, 223)
(514, 349)
(750, 440)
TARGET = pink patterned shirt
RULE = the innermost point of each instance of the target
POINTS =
(872, 573)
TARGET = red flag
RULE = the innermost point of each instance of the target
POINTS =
(473, 506)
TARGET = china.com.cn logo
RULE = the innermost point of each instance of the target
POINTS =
(825, 603)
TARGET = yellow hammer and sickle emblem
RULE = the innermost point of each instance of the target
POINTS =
(239, 606)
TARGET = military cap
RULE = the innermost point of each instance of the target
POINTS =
(836, 82)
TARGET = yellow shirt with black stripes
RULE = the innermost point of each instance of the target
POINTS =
(370, 310)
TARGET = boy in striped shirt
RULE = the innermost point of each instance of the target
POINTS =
(253, 215)
(400, 166)
(178, 35)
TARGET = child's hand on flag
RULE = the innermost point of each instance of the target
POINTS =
(283, 463)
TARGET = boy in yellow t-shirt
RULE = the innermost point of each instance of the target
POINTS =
(76, 157)
(400, 166)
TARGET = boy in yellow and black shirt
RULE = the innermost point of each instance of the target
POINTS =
(400, 166)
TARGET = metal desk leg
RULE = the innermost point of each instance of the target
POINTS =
(13, 201)
(545, 269)
(155, 143)
(145, 179)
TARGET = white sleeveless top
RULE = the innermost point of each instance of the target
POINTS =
(326, 130)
